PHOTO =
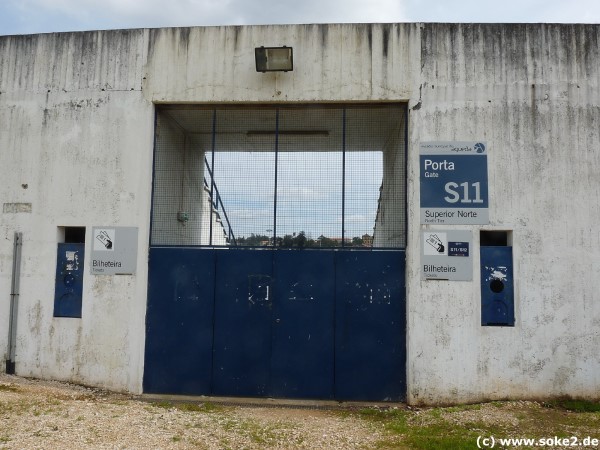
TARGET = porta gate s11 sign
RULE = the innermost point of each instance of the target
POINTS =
(454, 183)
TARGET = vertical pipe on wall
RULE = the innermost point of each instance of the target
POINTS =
(14, 303)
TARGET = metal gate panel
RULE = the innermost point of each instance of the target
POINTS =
(295, 285)
(370, 326)
(303, 319)
(243, 310)
(179, 321)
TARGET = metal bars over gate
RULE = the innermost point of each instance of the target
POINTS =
(307, 176)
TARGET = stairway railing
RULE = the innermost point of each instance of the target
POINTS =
(217, 201)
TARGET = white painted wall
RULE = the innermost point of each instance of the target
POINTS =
(532, 92)
(76, 126)
(78, 132)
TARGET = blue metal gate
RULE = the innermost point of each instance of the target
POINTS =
(323, 324)
(179, 321)
(276, 252)
(370, 326)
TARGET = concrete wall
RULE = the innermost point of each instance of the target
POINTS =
(76, 127)
(179, 185)
(76, 143)
(390, 212)
(179, 177)
(531, 92)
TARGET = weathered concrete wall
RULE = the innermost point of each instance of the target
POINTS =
(391, 212)
(76, 127)
(76, 143)
(76, 115)
(531, 92)
(332, 63)
(179, 181)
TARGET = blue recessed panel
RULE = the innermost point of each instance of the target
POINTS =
(497, 290)
(68, 289)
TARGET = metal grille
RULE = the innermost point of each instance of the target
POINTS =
(286, 177)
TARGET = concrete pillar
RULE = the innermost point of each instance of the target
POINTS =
(390, 222)
(179, 196)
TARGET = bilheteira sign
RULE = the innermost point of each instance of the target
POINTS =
(447, 255)
(454, 183)
(114, 250)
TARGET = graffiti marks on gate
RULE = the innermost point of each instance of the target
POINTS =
(259, 290)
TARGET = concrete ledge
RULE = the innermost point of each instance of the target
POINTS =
(269, 402)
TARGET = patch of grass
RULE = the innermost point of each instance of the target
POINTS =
(229, 424)
(579, 406)
(436, 413)
(438, 438)
(259, 433)
(163, 404)
(188, 407)
(17, 407)
(176, 438)
(560, 421)
(196, 443)
(435, 428)
(9, 388)
(439, 434)
(206, 407)
(225, 444)
(425, 429)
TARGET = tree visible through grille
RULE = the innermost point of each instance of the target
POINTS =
(301, 177)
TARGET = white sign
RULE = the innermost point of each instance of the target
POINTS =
(114, 251)
(447, 255)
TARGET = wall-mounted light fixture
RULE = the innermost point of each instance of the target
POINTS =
(274, 59)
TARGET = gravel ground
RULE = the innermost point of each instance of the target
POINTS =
(49, 415)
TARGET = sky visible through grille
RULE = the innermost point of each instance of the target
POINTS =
(319, 175)
(309, 192)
